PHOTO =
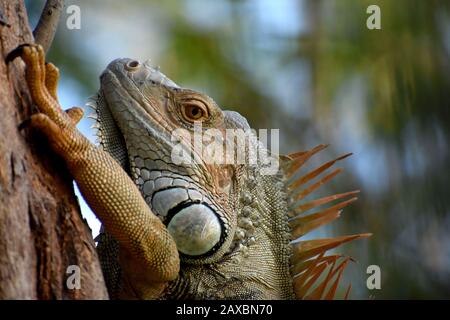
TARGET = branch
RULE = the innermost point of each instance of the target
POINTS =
(48, 22)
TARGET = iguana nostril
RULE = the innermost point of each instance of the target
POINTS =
(132, 65)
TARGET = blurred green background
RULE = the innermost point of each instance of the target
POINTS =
(314, 70)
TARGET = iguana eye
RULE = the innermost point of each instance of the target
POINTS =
(194, 111)
(196, 229)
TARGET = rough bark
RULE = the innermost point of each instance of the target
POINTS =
(42, 232)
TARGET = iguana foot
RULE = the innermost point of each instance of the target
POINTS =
(58, 125)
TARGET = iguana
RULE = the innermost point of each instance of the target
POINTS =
(196, 230)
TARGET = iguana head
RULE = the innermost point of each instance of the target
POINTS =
(230, 223)
(156, 121)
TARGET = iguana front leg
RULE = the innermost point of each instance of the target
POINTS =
(105, 185)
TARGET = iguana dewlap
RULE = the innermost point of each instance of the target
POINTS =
(197, 230)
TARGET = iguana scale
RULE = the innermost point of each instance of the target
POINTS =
(199, 230)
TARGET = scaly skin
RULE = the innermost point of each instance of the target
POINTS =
(106, 187)
(188, 230)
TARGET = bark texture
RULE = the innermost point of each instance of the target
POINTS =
(42, 232)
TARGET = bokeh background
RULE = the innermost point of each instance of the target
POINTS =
(312, 69)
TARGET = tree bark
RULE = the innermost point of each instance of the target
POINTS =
(42, 232)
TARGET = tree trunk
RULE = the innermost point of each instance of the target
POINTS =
(42, 232)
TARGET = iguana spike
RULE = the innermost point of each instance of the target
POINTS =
(302, 287)
(299, 220)
(312, 272)
(311, 175)
(317, 202)
(317, 293)
(299, 158)
(303, 193)
(332, 292)
(308, 261)
(347, 293)
(307, 249)
(92, 116)
(92, 102)
(313, 221)
(304, 265)
(294, 155)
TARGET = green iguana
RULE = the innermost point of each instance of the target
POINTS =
(187, 230)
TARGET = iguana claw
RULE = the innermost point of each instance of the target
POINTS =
(58, 126)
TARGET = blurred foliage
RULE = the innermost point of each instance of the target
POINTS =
(405, 71)
(313, 69)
